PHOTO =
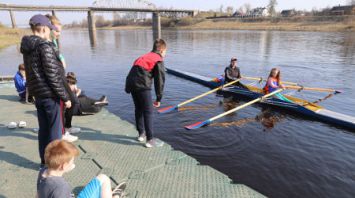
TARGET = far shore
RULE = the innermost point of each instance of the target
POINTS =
(322, 26)
(10, 36)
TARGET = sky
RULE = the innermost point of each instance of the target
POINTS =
(22, 18)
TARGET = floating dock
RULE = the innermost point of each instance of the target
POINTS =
(107, 145)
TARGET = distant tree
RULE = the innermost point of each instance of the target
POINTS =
(272, 7)
(247, 8)
(230, 10)
(221, 9)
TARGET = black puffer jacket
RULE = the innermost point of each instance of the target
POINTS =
(44, 71)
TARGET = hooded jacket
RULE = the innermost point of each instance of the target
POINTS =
(146, 68)
(44, 71)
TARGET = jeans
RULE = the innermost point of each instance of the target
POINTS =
(143, 112)
(49, 122)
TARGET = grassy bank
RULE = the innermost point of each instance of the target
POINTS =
(322, 26)
(10, 36)
(305, 23)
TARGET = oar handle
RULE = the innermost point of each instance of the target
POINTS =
(311, 89)
(245, 105)
(206, 93)
(261, 79)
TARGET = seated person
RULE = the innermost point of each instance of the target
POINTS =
(59, 159)
(273, 83)
(232, 73)
(82, 104)
(20, 82)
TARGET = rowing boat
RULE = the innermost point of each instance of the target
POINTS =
(298, 105)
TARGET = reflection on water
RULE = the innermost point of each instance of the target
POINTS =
(297, 157)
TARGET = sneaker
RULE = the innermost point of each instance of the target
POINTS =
(141, 138)
(119, 190)
(155, 142)
(103, 98)
(69, 138)
(73, 130)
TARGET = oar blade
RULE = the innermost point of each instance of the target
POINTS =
(167, 109)
(197, 125)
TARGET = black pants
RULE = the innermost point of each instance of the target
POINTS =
(49, 121)
(144, 112)
(86, 105)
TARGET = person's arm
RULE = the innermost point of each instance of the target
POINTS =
(239, 75)
(272, 83)
(159, 80)
(52, 70)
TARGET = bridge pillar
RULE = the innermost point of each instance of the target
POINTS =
(156, 25)
(53, 13)
(92, 27)
(13, 20)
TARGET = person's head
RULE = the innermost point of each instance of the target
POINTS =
(56, 23)
(71, 78)
(41, 26)
(234, 62)
(21, 69)
(59, 155)
(160, 47)
(275, 73)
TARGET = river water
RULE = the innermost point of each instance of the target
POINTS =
(274, 152)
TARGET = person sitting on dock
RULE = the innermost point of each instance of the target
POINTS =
(232, 72)
(273, 83)
(139, 81)
(59, 156)
(82, 104)
(20, 82)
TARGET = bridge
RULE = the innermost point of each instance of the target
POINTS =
(103, 6)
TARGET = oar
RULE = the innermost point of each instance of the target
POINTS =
(261, 79)
(171, 108)
(206, 122)
(313, 89)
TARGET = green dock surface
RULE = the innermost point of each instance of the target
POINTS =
(107, 145)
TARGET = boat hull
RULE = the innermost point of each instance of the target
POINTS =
(307, 109)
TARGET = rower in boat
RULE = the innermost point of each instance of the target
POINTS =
(273, 83)
(232, 73)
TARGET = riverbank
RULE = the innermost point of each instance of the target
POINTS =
(107, 145)
(9, 36)
(281, 26)
(309, 23)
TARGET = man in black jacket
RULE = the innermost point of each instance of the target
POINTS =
(44, 80)
(232, 72)
(139, 81)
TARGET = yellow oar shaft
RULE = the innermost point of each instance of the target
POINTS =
(259, 79)
(310, 88)
(245, 105)
(206, 93)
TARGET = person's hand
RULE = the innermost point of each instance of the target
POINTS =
(68, 104)
(156, 104)
(283, 86)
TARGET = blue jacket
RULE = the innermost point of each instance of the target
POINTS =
(20, 83)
